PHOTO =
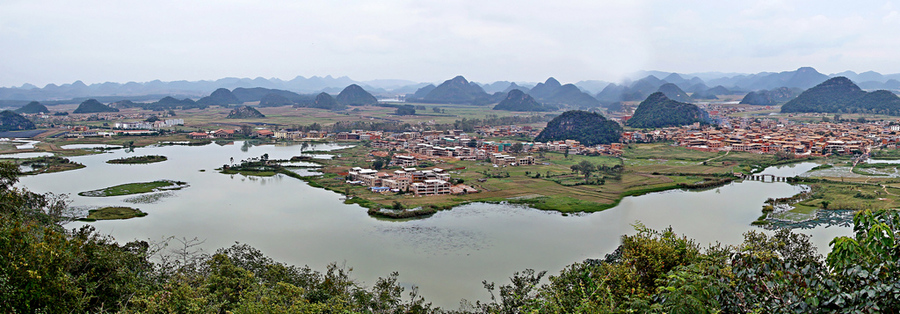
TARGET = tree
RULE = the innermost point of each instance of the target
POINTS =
(585, 167)
(517, 148)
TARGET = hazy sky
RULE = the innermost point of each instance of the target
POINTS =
(97, 41)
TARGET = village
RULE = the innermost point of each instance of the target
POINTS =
(409, 154)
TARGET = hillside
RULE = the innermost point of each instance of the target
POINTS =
(33, 107)
(353, 95)
(546, 89)
(457, 91)
(325, 101)
(220, 97)
(770, 97)
(245, 112)
(275, 100)
(571, 95)
(673, 92)
(11, 121)
(517, 100)
(840, 95)
(93, 106)
(658, 111)
(586, 127)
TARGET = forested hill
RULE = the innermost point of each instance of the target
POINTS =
(93, 106)
(33, 107)
(840, 95)
(354, 95)
(770, 97)
(517, 100)
(586, 127)
(457, 91)
(658, 111)
(11, 121)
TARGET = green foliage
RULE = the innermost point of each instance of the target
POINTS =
(658, 111)
(586, 127)
(867, 264)
(148, 159)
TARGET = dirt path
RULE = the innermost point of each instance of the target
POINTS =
(714, 158)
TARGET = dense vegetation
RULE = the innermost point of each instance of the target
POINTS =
(516, 100)
(770, 97)
(245, 112)
(147, 159)
(45, 268)
(33, 107)
(93, 106)
(354, 95)
(658, 111)
(840, 95)
(586, 127)
(11, 121)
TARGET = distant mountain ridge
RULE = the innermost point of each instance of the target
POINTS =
(841, 95)
(635, 88)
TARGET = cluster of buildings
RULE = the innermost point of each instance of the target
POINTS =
(769, 136)
(435, 181)
(149, 125)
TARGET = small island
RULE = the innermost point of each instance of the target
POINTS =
(48, 164)
(149, 159)
(136, 188)
(113, 213)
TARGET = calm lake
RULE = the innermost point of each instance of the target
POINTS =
(446, 255)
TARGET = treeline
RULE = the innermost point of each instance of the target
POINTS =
(45, 268)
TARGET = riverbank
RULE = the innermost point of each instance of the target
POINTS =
(550, 183)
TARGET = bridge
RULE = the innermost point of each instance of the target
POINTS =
(763, 177)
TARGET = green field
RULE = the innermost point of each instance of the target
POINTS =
(550, 184)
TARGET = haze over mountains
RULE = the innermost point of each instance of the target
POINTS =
(551, 92)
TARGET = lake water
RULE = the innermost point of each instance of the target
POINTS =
(446, 255)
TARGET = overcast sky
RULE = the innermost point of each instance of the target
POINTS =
(97, 41)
